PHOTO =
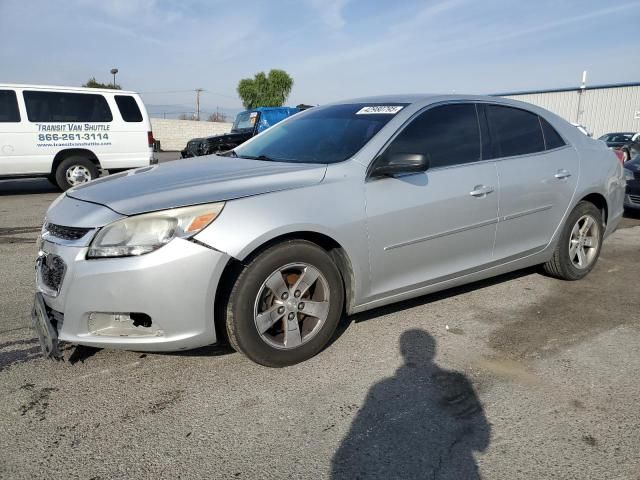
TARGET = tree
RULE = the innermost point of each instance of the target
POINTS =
(217, 117)
(263, 90)
(93, 83)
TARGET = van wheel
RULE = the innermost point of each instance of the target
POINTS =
(579, 245)
(285, 304)
(75, 171)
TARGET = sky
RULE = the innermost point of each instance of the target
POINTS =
(333, 49)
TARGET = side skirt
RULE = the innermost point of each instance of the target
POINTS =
(530, 258)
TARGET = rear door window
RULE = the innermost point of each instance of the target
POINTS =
(514, 131)
(9, 112)
(128, 108)
(552, 138)
(66, 107)
(447, 135)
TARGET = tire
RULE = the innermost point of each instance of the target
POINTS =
(86, 167)
(565, 265)
(289, 261)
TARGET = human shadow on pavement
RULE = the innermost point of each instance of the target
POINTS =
(424, 422)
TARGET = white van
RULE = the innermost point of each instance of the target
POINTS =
(69, 135)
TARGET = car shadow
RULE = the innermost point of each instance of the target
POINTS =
(372, 314)
(216, 350)
(423, 422)
(27, 187)
(81, 353)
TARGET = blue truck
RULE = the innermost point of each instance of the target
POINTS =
(246, 125)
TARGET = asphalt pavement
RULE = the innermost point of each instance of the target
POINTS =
(521, 376)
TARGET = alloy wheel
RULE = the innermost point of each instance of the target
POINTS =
(292, 305)
(584, 242)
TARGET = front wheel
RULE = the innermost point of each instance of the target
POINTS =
(579, 245)
(285, 305)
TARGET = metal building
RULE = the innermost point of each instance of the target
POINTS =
(601, 109)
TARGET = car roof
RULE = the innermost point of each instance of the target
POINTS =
(66, 88)
(427, 98)
(415, 102)
(398, 98)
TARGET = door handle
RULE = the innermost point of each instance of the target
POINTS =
(562, 174)
(480, 191)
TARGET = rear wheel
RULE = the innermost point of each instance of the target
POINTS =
(579, 245)
(74, 171)
(285, 304)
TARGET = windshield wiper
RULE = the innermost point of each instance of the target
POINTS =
(228, 153)
(261, 157)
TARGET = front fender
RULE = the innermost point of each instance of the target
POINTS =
(333, 208)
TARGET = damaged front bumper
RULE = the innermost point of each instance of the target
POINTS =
(161, 301)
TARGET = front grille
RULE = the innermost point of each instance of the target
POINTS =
(52, 269)
(635, 199)
(66, 233)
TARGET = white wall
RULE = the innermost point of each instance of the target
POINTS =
(602, 110)
(174, 134)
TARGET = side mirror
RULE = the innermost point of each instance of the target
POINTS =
(399, 163)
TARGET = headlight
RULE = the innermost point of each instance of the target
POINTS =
(145, 233)
(628, 174)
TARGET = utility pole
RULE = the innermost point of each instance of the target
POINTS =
(580, 94)
(198, 92)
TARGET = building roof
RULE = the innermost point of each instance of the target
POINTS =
(568, 89)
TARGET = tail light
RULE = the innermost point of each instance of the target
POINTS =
(620, 155)
(150, 139)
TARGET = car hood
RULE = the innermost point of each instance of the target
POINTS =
(225, 137)
(194, 181)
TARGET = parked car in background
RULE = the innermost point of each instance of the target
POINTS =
(616, 140)
(246, 125)
(632, 148)
(193, 148)
(627, 142)
(340, 208)
(632, 175)
(69, 135)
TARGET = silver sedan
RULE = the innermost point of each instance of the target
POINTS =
(336, 210)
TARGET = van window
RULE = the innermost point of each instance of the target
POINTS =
(128, 108)
(9, 107)
(66, 107)
(552, 139)
(514, 131)
(447, 135)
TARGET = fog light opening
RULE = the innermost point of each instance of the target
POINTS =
(120, 324)
(140, 319)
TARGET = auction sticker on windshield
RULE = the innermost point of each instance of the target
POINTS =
(389, 109)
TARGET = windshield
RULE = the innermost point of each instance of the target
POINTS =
(245, 121)
(321, 135)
